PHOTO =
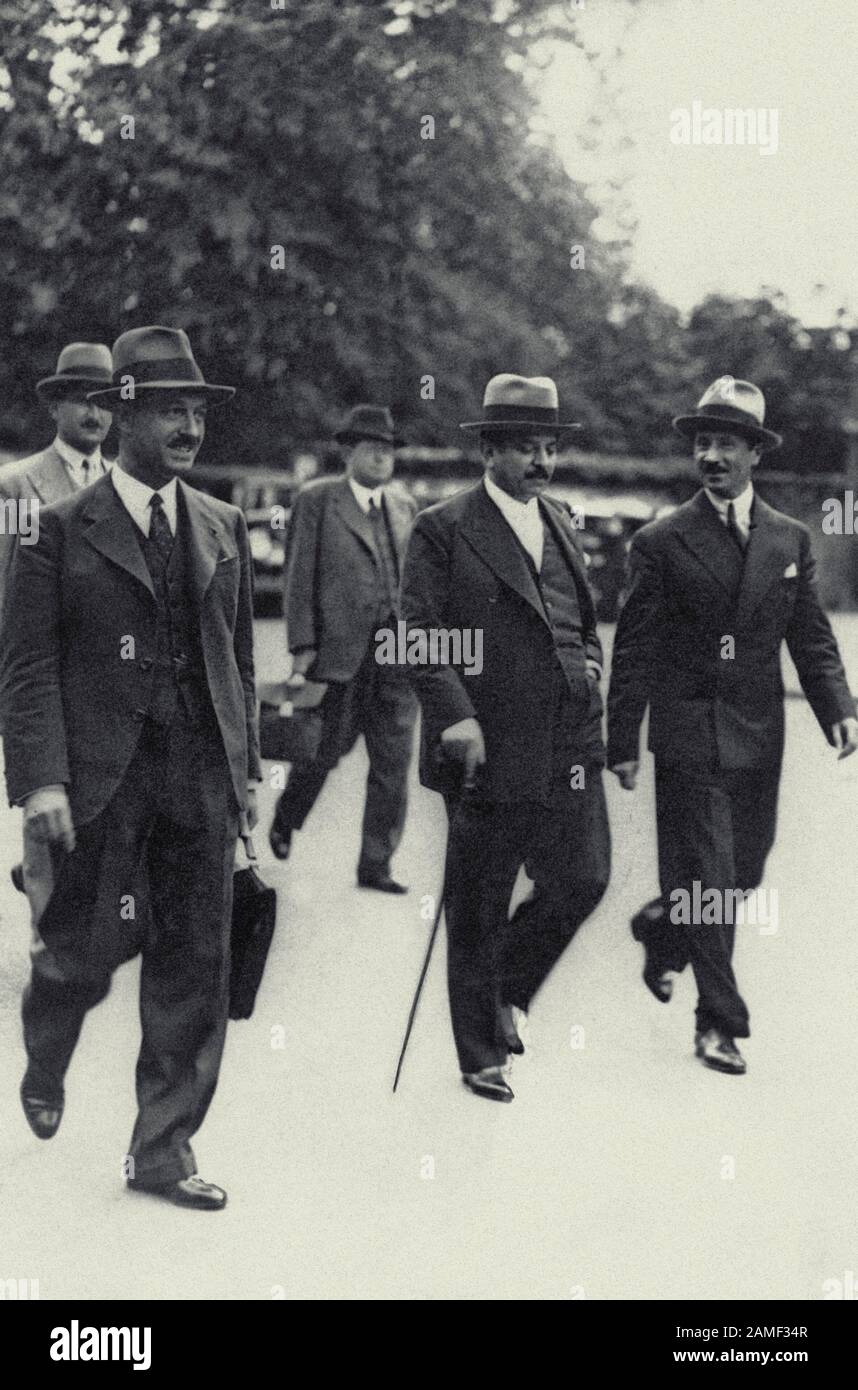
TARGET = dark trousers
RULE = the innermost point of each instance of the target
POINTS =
(491, 961)
(379, 703)
(715, 828)
(151, 873)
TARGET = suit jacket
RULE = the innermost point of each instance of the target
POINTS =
(331, 574)
(465, 569)
(43, 477)
(689, 590)
(73, 707)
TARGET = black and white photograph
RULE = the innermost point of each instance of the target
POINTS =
(428, 664)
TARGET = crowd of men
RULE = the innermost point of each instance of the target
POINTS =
(130, 722)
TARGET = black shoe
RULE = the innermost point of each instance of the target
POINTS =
(380, 879)
(718, 1051)
(509, 1032)
(16, 874)
(659, 983)
(280, 841)
(187, 1192)
(489, 1083)
(43, 1113)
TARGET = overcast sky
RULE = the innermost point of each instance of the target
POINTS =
(722, 217)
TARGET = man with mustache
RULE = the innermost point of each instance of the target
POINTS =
(516, 749)
(131, 744)
(716, 588)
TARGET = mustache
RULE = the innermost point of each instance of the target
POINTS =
(182, 441)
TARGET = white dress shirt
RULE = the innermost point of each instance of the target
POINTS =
(742, 506)
(136, 496)
(364, 495)
(524, 518)
(74, 461)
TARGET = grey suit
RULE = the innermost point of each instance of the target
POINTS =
(42, 478)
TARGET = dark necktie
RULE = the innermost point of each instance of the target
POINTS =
(733, 528)
(383, 549)
(159, 532)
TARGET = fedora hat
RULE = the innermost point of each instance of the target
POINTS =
(527, 402)
(78, 365)
(366, 422)
(156, 359)
(730, 404)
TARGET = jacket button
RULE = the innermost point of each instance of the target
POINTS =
(140, 714)
(146, 663)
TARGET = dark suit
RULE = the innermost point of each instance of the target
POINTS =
(717, 720)
(336, 599)
(42, 477)
(155, 797)
(540, 716)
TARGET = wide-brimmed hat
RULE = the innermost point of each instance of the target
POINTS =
(156, 359)
(525, 402)
(367, 422)
(80, 365)
(730, 404)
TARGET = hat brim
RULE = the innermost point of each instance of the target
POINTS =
(689, 425)
(350, 437)
(115, 394)
(51, 386)
(523, 425)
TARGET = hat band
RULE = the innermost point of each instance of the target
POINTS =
(165, 369)
(83, 372)
(730, 412)
(527, 414)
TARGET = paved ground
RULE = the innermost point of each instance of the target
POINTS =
(622, 1170)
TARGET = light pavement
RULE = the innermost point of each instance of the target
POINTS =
(622, 1170)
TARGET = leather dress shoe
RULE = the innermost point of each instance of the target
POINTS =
(187, 1192)
(43, 1114)
(280, 841)
(716, 1050)
(506, 1020)
(489, 1082)
(380, 879)
(659, 983)
(16, 873)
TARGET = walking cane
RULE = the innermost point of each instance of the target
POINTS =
(419, 988)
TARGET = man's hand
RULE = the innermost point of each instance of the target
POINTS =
(47, 816)
(844, 736)
(252, 811)
(303, 660)
(627, 774)
(464, 742)
(594, 671)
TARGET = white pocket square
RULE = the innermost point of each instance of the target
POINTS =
(791, 571)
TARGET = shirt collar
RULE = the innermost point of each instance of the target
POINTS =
(364, 495)
(742, 504)
(136, 496)
(510, 506)
(73, 457)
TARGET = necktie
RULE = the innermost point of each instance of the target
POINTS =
(383, 551)
(159, 529)
(733, 528)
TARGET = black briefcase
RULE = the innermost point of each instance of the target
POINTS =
(290, 720)
(254, 909)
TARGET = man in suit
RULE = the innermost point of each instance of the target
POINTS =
(515, 747)
(131, 745)
(74, 458)
(345, 548)
(716, 588)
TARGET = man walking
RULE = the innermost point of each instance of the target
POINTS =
(130, 741)
(345, 548)
(74, 458)
(516, 747)
(716, 588)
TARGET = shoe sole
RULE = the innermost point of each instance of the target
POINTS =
(489, 1095)
(721, 1066)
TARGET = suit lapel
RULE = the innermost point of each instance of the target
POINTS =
(352, 516)
(492, 538)
(204, 539)
(112, 533)
(555, 518)
(765, 560)
(703, 533)
(400, 525)
(49, 478)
